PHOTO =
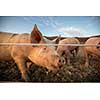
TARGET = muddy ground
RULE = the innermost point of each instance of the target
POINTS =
(76, 72)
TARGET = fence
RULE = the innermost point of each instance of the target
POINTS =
(31, 44)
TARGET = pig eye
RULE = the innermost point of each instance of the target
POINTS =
(44, 48)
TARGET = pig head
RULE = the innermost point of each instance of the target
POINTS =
(67, 51)
(45, 56)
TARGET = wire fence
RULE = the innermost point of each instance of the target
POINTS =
(31, 44)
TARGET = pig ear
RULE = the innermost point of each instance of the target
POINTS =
(36, 36)
(57, 39)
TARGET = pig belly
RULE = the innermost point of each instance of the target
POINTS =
(93, 50)
(4, 53)
(96, 51)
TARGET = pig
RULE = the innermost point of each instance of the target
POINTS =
(45, 56)
(92, 50)
(66, 51)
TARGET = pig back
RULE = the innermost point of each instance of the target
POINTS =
(4, 50)
(4, 37)
(93, 49)
(69, 41)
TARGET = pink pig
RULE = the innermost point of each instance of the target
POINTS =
(45, 56)
(92, 50)
(66, 51)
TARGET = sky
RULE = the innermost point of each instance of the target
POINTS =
(68, 26)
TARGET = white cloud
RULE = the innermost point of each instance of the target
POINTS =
(71, 31)
(27, 19)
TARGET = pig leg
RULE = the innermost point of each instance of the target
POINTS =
(68, 58)
(29, 64)
(22, 67)
(86, 59)
(76, 51)
(73, 52)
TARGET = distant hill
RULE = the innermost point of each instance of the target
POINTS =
(96, 36)
(81, 39)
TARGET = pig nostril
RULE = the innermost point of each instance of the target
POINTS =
(63, 61)
(59, 60)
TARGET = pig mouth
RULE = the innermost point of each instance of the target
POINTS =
(53, 68)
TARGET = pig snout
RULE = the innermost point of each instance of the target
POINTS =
(60, 62)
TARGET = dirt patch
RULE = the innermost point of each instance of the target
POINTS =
(76, 72)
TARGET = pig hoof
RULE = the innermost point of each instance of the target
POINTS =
(27, 77)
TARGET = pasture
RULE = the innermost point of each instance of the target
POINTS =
(75, 72)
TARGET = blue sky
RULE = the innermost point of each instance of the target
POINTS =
(52, 25)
